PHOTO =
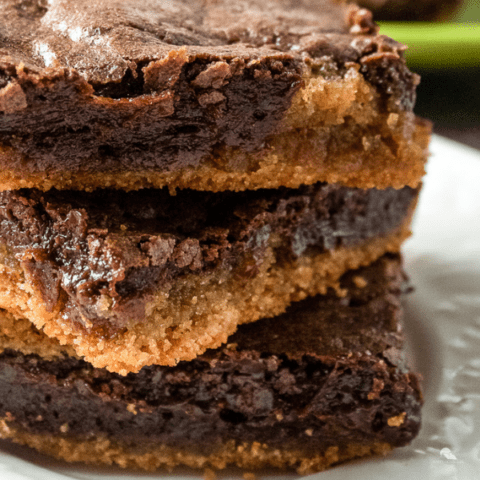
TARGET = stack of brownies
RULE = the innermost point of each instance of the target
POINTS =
(202, 207)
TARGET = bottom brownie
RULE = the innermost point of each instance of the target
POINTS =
(322, 383)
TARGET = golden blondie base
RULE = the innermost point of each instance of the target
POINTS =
(246, 455)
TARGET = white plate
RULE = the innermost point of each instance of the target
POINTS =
(443, 324)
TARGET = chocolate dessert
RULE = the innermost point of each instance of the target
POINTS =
(202, 204)
(139, 278)
(323, 383)
(206, 95)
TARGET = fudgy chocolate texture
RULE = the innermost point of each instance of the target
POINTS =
(328, 372)
(408, 10)
(79, 248)
(95, 85)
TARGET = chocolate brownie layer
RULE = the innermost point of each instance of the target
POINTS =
(407, 10)
(106, 264)
(207, 95)
(327, 375)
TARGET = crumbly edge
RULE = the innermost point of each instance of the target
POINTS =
(21, 335)
(333, 132)
(200, 312)
(151, 457)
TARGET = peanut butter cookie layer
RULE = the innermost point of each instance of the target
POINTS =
(247, 456)
(333, 386)
(204, 95)
(135, 278)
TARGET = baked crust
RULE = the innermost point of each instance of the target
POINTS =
(253, 456)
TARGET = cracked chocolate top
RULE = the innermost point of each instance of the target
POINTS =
(169, 84)
(330, 371)
(120, 247)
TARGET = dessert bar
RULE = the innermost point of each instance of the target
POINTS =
(215, 95)
(202, 204)
(323, 383)
(138, 278)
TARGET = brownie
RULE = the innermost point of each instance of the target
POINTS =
(408, 10)
(106, 264)
(125, 245)
(324, 382)
(206, 95)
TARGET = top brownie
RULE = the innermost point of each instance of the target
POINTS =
(153, 88)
